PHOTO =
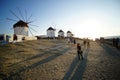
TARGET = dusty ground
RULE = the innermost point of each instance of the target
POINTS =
(56, 60)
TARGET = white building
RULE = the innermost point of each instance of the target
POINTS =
(61, 33)
(21, 28)
(69, 34)
(21, 31)
(6, 38)
(51, 32)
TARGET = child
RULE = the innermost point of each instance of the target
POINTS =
(79, 51)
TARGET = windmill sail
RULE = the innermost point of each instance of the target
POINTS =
(22, 25)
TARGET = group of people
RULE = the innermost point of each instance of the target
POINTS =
(86, 43)
(71, 41)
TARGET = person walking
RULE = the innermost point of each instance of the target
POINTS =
(74, 42)
(88, 43)
(79, 51)
(113, 41)
(84, 42)
(117, 42)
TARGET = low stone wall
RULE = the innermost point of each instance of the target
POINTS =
(30, 38)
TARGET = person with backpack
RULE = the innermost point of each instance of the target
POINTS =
(79, 51)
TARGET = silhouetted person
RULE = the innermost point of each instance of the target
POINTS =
(84, 42)
(79, 51)
(88, 43)
(113, 41)
(74, 41)
(116, 42)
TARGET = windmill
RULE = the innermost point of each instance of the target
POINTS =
(22, 25)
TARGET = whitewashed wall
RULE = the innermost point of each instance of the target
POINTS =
(20, 38)
(50, 33)
(69, 35)
(9, 38)
(6, 37)
(21, 31)
(30, 38)
(61, 33)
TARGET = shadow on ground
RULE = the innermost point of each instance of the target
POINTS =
(111, 50)
(52, 57)
(77, 68)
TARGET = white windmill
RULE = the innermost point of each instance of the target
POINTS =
(61, 33)
(21, 28)
(51, 32)
(69, 34)
(22, 25)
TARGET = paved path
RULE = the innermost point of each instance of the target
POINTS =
(101, 62)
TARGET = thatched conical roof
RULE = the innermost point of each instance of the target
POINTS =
(20, 24)
(60, 31)
(68, 32)
(50, 28)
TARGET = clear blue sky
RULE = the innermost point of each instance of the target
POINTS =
(84, 18)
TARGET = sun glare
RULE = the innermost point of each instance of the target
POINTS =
(90, 28)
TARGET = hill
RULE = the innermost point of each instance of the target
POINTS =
(57, 60)
(42, 56)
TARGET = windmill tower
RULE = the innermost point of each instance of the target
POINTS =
(69, 34)
(50, 32)
(61, 33)
(22, 25)
(21, 28)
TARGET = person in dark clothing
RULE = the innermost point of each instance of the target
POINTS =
(117, 41)
(88, 43)
(79, 51)
(84, 42)
(113, 41)
(74, 42)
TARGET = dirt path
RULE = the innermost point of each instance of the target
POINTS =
(60, 62)
(101, 62)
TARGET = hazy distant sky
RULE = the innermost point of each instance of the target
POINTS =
(84, 18)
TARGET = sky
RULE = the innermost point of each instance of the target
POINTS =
(84, 18)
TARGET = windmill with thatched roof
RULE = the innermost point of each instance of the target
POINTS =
(69, 34)
(61, 34)
(21, 28)
(51, 32)
(22, 25)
